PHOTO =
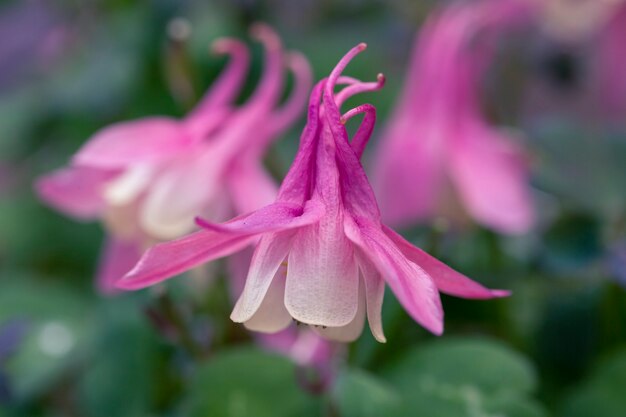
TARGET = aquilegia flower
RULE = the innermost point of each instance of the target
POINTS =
(438, 138)
(147, 179)
(322, 255)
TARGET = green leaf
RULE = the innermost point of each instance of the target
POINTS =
(465, 378)
(513, 406)
(485, 364)
(122, 376)
(247, 382)
(360, 394)
(603, 394)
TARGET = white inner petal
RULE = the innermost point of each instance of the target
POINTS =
(182, 190)
(374, 294)
(322, 278)
(266, 262)
(272, 316)
(352, 330)
(125, 188)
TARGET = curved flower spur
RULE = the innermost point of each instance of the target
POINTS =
(147, 179)
(322, 255)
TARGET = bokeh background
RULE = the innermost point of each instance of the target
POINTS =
(557, 347)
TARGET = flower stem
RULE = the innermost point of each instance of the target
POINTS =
(172, 314)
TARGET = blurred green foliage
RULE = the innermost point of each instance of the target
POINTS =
(245, 381)
(555, 348)
(465, 377)
(600, 395)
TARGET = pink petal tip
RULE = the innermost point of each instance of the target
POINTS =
(500, 293)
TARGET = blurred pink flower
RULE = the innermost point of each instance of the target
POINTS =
(611, 65)
(322, 255)
(438, 138)
(570, 21)
(585, 39)
(147, 179)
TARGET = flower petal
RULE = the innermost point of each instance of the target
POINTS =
(225, 89)
(292, 109)
(297, 184)
(414, 288)
(184, 189)
(272, 316)
(359, 87)
(118, 258)
(407, 173)
(357, 193)
(447, 279)
(129, 185)
(238, 265)
(268, 256)
(351, 331)
(76, 190)
(322, 278)
(374, 295)
(251, 187)
(121, 222)
(125, 144)
(364, 132)
(166, 260)
(492, 179)
(270, 85)
(275, 217)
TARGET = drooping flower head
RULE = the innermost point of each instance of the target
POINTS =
(321, 254)
(147, 179)
(438, 138)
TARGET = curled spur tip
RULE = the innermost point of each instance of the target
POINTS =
(266, 35)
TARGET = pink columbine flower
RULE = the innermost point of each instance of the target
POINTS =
(438, 140)
(147, 179)
(321, 254)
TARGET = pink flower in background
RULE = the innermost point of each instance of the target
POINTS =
(147, 179)
(438, 138)
(321, 254)
(611, 64)
(570, 21)
(587, 37)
